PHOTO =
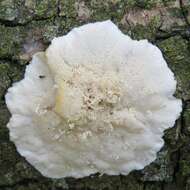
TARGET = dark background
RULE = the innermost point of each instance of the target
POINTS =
(28, 26)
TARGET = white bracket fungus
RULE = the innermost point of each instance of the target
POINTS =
(94, 101)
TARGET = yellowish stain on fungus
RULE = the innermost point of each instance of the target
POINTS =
(59, 98)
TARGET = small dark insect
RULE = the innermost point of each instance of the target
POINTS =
(42, 76)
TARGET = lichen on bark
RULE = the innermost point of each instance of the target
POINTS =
(28, 26)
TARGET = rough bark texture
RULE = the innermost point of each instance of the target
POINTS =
(27, 26)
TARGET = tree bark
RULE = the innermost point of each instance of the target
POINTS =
(28, 26)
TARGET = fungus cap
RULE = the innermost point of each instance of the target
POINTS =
(94, 101)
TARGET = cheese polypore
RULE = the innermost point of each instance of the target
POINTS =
(94, 101)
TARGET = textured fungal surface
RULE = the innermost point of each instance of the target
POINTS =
(94, 101)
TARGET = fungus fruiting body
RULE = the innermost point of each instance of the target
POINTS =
(94, 101)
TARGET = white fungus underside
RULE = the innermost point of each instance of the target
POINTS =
(145, 110)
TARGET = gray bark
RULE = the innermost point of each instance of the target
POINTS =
(27, 26)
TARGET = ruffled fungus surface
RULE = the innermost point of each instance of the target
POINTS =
(95, 101)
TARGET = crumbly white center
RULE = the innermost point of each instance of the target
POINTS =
(87, 97)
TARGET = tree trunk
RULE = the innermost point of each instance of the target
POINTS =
(28, 26)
